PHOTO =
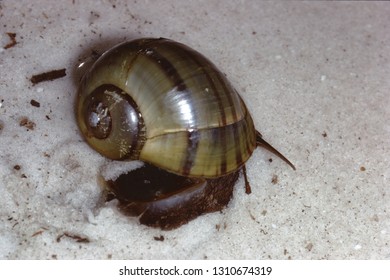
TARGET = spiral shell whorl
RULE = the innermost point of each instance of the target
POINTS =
(112, 124)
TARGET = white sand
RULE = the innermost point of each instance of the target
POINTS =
(314, 75)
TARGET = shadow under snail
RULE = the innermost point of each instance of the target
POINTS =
(163, 103)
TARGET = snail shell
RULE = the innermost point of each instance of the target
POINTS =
(163, 103)
(160, 102)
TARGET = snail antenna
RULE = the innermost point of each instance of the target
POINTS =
(261, 142)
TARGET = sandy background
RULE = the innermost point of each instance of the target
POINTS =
(314, 75)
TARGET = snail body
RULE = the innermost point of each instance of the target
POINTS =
(163, 103)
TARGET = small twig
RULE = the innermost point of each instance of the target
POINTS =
(48, 76)
(78, 238)
(13, 42)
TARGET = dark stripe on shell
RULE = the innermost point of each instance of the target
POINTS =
(206, 71)
(237, 146)
(171, 72)
(192, 147)
(166, 66)
(221, 138)
(249, 131)
(229, 96)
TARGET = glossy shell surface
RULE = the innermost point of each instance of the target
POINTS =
(192, 122)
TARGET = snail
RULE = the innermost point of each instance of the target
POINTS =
(163, 103)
